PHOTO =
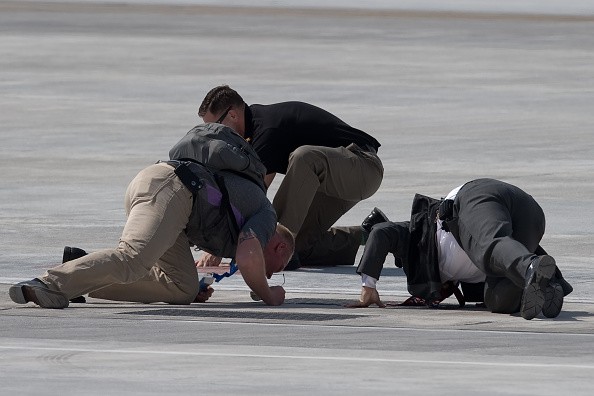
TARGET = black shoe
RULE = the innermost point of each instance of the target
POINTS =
(78, 300)
(558, 278)
(567, 288)
(553, 301)
(72, 253)
(538, 276)
(375, 217)
(37, 292)
(293, 263)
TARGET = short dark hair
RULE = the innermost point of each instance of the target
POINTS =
(218, 99)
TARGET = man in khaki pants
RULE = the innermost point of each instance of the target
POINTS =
(153, 261)
(329, 167)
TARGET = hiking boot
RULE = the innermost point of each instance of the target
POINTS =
(37, 292)
(553, 300)
(375, 217)
(538, 276)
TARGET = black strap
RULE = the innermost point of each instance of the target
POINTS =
(447, 289)
(259, 183)
(446, 213)
(226, 203)
(194, 183)
(187, 177)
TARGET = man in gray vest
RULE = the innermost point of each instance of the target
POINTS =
(153, 261)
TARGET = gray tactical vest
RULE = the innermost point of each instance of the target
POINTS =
(219, 148)
(198, 159)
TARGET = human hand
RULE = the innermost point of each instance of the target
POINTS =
(204, 295)
(208, 260)
(277, 295)
(368, 296)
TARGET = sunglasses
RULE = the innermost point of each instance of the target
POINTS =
(222, 117)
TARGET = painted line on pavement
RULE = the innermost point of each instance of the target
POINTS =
(302, 357)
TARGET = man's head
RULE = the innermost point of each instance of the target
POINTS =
(224, 106)
(279, 250)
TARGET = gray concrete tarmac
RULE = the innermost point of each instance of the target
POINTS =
(93, 92)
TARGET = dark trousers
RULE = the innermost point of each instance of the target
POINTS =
(499, 226)
(384, 238)
(322, 184)
(502, 295)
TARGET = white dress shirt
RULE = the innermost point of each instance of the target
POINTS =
(454, 264)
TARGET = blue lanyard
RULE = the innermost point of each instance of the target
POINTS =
(205, 281)
(232, 270)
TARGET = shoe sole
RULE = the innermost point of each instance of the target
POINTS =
(16, 294)
(532, 302)
(553, 302)
(533, 298)
(41, 296)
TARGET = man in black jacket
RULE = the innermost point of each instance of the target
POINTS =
(328, 165)
(484, 231)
